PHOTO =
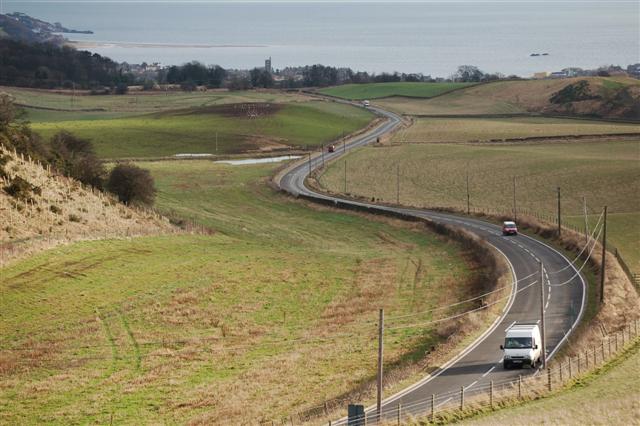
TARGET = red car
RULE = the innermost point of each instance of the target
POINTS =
(509, 228)
(331, 148)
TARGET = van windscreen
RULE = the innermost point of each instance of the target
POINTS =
(517, 343)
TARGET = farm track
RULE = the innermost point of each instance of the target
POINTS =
(480, 362)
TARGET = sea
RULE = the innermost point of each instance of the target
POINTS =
(432, 38)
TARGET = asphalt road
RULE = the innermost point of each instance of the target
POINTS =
(481, 362)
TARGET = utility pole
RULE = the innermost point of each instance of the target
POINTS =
(542, 331)
(309, 162)
(345, 176)
(398, 184)
(559, 215)
(380, 357)
(586, 220)
(322, 148)
(515, 213)
(468, 204)
(604, 255)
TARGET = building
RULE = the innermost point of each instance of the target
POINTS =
(267, 65)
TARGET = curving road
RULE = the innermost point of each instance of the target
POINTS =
(481, 361)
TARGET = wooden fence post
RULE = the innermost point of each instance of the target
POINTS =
(570, 369)
(520, 386)
(433, 406)
(491, 394)
(461, 397)
(549, 379)
(399, 413)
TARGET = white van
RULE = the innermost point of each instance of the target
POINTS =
(522, 345)
(366, 104)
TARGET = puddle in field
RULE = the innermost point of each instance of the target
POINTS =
(258, 160)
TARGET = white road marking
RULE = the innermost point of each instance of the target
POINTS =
(444, 402)
(490, 370)
(469, 387)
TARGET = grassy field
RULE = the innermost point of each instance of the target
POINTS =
(135, 103)
(239, 128)
(606, 173)
(471, 129)
(271, 314)
(609, 396)
(381, 90)
(499, 97)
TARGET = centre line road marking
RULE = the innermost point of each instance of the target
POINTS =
(469, 387)
(490, 370)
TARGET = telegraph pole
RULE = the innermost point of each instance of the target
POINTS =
(309, 162)
(380, 357)
(542, 331)
(398, 184)
(468, 204)
(515, 213)
(322, 148)
(559, 215)
(604, 255)
(345, 176)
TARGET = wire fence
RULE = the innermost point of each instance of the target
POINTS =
(485, 393)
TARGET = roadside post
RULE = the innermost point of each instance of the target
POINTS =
(542, 331)
(380, 360)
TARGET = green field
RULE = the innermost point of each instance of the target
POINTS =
(195, 130)
(606, 173)
(609, 396)
(272, 313)
(500, 97)
(472, 129)
(382, 90)
(67, 106)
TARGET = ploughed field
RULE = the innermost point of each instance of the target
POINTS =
(268, 313)
(158, 125)
(605, 171)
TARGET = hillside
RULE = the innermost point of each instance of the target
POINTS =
(383, 90)
(605, 97)
(40, 209)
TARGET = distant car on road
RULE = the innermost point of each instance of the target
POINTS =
(366, 104)
(509, 228)
(331, 148)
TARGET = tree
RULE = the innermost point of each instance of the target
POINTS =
(468, 73)
(132, 184)
(261, 78)
(7, 111)
(76, 158)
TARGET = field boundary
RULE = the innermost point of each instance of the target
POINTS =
(524, 115)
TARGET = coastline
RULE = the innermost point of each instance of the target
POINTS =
(109, 44)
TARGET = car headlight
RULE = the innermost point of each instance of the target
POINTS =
(507, 357)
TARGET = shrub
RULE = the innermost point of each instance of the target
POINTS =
(55, 209)
(76, 158)
(132, 184)
(20, 189)
(74, 218)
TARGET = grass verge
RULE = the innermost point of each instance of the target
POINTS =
(273, 313)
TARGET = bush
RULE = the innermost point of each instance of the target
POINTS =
(132, 184)
(20, 189)
(76, 158)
